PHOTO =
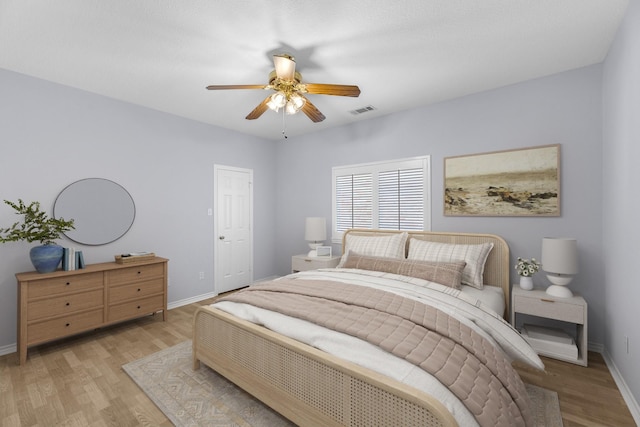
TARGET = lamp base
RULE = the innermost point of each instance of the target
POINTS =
(559, 291)
(313, 253)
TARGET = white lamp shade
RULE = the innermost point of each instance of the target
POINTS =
(285, 66)
(560, 255)
(315, 229)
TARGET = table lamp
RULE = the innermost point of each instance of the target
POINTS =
(315, 232)
(560, 262)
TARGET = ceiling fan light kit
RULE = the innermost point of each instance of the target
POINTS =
(286, 82)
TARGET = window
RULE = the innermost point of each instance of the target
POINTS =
(392, 195)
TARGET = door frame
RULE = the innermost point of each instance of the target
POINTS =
(216, 260)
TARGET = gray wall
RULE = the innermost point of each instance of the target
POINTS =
(562, 109)
(621, 151)
(52, 135)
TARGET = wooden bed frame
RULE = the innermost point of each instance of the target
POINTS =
(311, 387)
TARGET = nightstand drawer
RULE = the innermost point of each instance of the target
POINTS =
(304, 263)
(550, 308)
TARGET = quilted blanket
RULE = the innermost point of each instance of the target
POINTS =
(468, 364)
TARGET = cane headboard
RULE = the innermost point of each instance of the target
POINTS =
(496, 269)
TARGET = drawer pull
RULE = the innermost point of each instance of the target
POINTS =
(68, 283)
(139, 307)
(139, 289)
(139, 272)
(546, 300)
(68, 304)
(68, 324)
(307, 260)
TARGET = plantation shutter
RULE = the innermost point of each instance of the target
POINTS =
(401, 199)
(389, 195)
(354, 204)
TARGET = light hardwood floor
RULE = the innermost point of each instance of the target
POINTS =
(79, 381)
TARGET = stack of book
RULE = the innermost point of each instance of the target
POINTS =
(72, 259)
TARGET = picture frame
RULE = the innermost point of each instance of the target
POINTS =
(520, 182)
(323, 251)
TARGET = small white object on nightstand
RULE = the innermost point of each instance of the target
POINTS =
(315, 232)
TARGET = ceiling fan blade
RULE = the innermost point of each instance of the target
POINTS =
(259, 110)
(312, 111)
(329, 89)
(285, 66)
(221, 87)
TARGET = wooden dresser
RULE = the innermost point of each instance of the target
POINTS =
(62, 303)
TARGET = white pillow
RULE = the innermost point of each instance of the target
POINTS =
(389, 246)
(474, 255)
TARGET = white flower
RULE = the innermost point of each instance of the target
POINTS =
(527, 268)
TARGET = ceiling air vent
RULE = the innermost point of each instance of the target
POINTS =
(362, 110)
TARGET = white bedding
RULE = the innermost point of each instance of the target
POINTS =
(463, 305)
(491, 296)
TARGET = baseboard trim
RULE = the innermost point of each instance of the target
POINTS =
(191, 300)
(595, 347)
(199, 298)
(628, 397)
(8, 349)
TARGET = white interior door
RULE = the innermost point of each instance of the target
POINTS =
(233, 224)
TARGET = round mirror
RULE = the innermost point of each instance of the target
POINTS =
(102, 211)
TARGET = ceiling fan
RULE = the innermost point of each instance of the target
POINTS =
(289, 91)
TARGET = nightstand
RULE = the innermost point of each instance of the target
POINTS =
(304, 263)
(572, 310)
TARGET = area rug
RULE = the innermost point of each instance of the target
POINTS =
(204, 398)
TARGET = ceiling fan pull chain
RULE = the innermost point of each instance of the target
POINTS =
(284, 132)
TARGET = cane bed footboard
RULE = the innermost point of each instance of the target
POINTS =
(306, 385)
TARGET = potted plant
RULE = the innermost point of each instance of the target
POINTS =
(526, 269)
(36, 226)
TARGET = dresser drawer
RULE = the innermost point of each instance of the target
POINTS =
(65, 284)
(129, 310)
(55, 306)
(137, 290)
(551, 309)
(135, 273)
(64, 326)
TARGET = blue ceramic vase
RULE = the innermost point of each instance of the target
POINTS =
(46, 258)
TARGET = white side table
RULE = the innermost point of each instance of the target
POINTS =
(304, 263)
(572, 310)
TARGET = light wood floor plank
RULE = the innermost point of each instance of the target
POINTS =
(79, 381)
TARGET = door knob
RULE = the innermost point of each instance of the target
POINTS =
(221, 237)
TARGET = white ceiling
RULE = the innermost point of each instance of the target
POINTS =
(402, 54)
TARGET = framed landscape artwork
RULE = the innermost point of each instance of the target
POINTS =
(522, 182)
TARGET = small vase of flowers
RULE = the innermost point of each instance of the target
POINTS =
(526, 269)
